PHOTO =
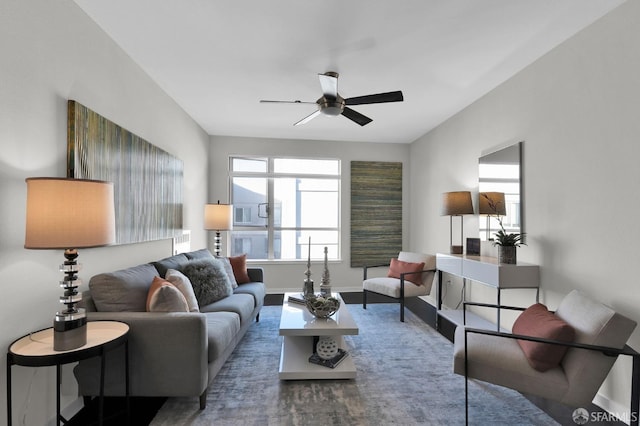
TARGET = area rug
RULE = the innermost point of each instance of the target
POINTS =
(404, 378)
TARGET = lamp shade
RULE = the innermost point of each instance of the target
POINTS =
(456, 203)
(218, 217)
(492, 203)
(65, 213)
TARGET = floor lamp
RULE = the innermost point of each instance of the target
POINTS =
(491, 204)
(218, 217)
(69, 214)
(456, 203)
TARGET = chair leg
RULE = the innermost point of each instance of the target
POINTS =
(364, 299)
(402, 309)
(466, 382)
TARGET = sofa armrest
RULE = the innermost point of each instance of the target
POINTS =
(256, 274)
(167, 355)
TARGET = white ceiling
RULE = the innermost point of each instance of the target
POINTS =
(218, 58)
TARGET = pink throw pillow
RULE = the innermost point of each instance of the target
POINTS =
(537, 321)
(398, 267)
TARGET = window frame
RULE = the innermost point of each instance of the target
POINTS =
(270, 175)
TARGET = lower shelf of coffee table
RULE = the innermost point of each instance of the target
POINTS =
(295, 365)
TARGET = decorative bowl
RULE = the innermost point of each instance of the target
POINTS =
(322, 307)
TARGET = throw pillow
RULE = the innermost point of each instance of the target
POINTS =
(209, 280)
(183, 284)
(165, 297)
(537, 321)
(229, 270)
(239, 266)
(398, 267)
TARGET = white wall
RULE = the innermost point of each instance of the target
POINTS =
(289, 276)
(50, 51)
(577, 111)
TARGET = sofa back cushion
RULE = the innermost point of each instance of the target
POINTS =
(173, 262)
(123, 290)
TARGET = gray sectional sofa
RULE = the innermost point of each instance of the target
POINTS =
(170, 353)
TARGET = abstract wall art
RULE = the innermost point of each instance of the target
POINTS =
(147, 180)
(376, 212)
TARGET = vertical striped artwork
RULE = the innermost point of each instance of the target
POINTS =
(147, 180)
(376, 212)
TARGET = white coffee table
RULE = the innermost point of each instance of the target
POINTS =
(298, 328)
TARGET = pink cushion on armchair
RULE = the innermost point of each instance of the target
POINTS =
(537, 321)
(398, 267)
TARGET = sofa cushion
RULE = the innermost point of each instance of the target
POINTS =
(240, 304)
(173, 262)
(537, 321)
(199, 254)
(123, 290)
(256, 289)
(239, 265)
(209, 280)
(165, 297)
(183, 284)
(222, 329)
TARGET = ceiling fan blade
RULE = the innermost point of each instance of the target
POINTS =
(308, 118)
(352, 115)
(376, 99)
(263, 101)
(329, 84)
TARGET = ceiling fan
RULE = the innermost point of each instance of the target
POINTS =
(332, 104)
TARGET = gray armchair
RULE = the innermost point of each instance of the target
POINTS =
(409, 284)
(600, 336)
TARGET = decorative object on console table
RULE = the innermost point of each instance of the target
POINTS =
(507, 242)
(325, 283)
(69, 214)
(218, 217)
(473, 246)
(307, 289)
(491, 204)
(456, 203)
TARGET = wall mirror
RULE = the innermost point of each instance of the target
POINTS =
(500, 172)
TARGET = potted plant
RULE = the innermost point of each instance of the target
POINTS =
(507, 242)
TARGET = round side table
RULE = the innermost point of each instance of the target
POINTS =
(36, 350)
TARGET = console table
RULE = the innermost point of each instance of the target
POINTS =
(487, 271)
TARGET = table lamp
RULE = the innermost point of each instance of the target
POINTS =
(218, 217)
(491, 204)
(69, 214)
(456, 203)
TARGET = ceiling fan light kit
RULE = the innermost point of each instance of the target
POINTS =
(332, 104)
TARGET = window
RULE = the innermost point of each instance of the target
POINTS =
(279, 203)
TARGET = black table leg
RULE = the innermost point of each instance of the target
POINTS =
(126, 380)
(9, 389)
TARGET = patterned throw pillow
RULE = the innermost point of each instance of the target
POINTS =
(165, 297)
(209, 280)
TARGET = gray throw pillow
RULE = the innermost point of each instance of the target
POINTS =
(209, 280)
